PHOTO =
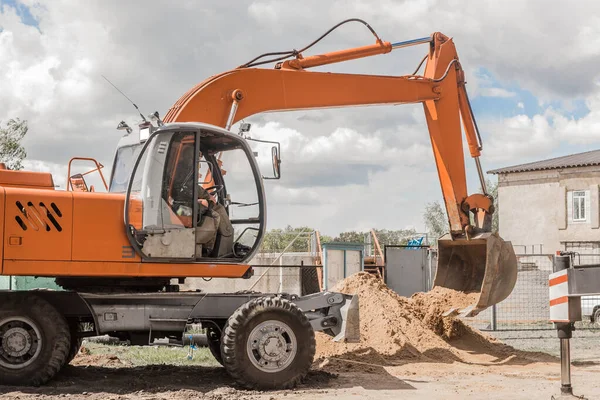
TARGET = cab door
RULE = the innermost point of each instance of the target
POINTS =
(160, 206)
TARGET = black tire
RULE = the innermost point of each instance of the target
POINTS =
(74, 348)
(54, 334)
(236, 337)
(214, 343)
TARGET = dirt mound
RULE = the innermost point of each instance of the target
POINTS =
(396, 329)
(84, 358)
(432, 305)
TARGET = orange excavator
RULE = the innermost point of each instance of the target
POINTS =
(173, 212)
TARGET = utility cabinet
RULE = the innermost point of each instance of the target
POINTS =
(340, 260)
(409, 269)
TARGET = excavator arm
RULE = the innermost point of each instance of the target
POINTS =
(228, 97)
(231, 96)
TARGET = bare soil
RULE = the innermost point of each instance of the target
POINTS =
(417, 380)
(396, 330)
(408, 350)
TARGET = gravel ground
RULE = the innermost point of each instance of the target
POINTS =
(118, 373)
(585, 345)
(108, 372)
(412, 381)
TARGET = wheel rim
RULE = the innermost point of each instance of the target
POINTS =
(272, 346)
(20, 342)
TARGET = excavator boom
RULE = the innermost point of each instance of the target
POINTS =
(470, 257)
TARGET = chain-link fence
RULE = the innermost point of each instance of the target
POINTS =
(527, 308)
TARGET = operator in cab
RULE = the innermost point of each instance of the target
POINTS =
(214, 231)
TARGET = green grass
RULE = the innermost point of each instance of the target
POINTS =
(154, 355)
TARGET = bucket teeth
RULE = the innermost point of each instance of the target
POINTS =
(451, 312)
(468, 312)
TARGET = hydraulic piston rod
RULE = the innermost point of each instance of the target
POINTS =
(413, 42)
(350, 54)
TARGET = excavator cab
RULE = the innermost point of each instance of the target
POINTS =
(182, 207)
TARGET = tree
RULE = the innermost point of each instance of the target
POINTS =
(394, 237)
(385, 237)
(276, 240)
(12, 153)
(435, 219)
(350, 237)
(492, 188)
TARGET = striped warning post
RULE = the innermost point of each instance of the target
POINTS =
(565, 306)
(559, 296)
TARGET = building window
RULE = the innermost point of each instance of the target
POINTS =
(578, 206)
(579, 209)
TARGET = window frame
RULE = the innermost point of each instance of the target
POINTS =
(580, 197)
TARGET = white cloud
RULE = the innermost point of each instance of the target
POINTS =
(519, 137)
(496, 92)
(58, 171)
(362, 167)
(522, 138)
(342, 146)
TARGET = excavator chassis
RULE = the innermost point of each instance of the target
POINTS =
(264, 341)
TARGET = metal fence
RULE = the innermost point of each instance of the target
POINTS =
(290, 241)
(527, 308)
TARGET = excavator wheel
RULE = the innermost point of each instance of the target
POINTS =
(34, 340)
(75, 342)
(73, 349)
(268, 343)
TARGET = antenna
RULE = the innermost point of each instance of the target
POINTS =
(124, 95)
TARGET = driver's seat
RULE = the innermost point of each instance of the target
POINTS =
(206, 233)
(224, 241)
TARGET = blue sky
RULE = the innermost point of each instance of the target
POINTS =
(22, 10)
(524, 102)
(510, 106)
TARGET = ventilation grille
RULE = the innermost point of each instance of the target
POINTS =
(38, 217)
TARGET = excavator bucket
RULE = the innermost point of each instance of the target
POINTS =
(484, 264)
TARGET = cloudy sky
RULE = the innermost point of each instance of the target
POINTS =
(532, 73)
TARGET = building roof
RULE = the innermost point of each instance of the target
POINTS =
(585, 159)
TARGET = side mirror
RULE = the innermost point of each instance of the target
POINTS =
(78, 183)
(276, 162)
(275, 157)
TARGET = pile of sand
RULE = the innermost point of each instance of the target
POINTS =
(396, 329)
(85, 358)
